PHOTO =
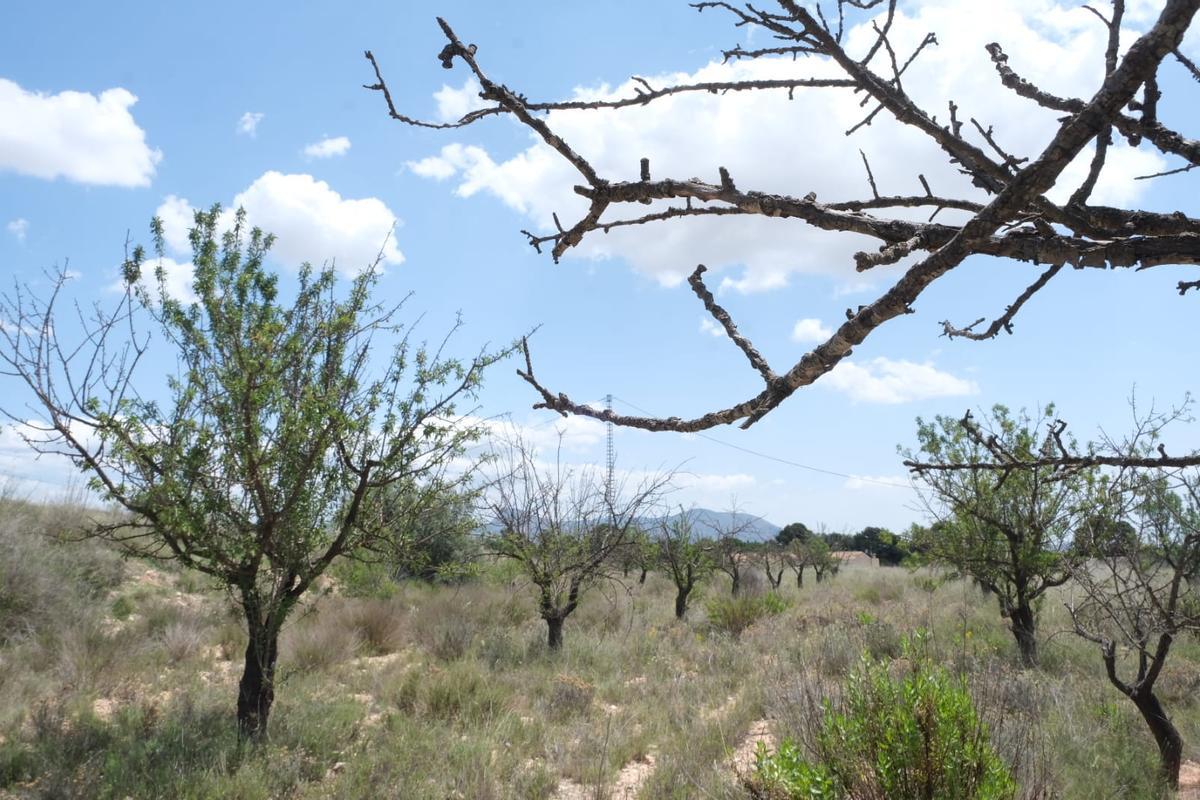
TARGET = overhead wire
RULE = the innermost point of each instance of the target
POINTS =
(777, 459)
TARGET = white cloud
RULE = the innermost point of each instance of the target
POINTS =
(810, 330)
(248, 124)
(177, 278)
(328, 147)
(885, 381)
(311, 222)
(710, 327)
(27, 474)
(439, 168)
(18, 228)
(74, 135)
(177, 217)
(1055, 44)
(453, 104)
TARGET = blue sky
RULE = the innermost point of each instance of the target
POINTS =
(262, 105)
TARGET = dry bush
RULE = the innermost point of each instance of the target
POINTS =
(378, 624)
(569, 696)
(86, 654)
(318, 642)
(46, 585)
(182, 639)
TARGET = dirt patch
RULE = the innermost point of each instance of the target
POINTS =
(744, 756)
(629, 782)
(1189, 781)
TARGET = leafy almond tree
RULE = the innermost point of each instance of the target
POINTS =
(1009, 530)
(272, 450)
(685, 558)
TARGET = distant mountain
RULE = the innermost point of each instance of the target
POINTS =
(749, 528)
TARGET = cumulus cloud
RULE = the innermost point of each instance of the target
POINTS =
(810, 330)
(453, 104)
(1055, 44)
(18, 228)
(328, 147)
(710, 327)
(311, 221)
(74, 135)
(888, 382)
(177, 278)
(248, 123)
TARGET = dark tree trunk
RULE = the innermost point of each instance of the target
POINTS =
(775, 579)
(1166, 736)
(256, 690)
(642, 577)
(554, 629)
(800, 579)
(1024, 629)
(736, 586)
(681, 601)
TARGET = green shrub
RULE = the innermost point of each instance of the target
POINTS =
(733, 615)
(122, 608)
(916, 737)
(787, 774)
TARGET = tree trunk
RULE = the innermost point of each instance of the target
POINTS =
(642, 577)
(1024, 629)
(554, 627)
(800, 579)
(256, 690)
(1166, 736)
(736, 586)
(681, 601)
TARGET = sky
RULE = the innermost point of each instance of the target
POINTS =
(113, 113)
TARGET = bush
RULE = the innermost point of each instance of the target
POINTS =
(182, 640)
(916, 737)
(378, 625)
(570, 696)
(733, 615)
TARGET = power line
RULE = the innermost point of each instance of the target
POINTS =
(777, 459)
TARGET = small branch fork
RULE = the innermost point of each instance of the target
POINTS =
(1010, 217)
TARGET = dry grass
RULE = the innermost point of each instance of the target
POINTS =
(450, 691)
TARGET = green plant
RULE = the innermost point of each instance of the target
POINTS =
(787, 774)
(121, 608)
(273, 451)
(733, 615)
(916, 737)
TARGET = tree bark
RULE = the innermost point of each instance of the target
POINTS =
(256, 690)
(554, 632)
(1024, 629)
(1166, 735)
(642, 577)
(800, 579)
(681, 601)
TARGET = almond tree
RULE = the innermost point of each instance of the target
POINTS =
(272, 450)
(1137, 596)
(1013, 532)
(562, 525)
(685, 558)
(1003, 212)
